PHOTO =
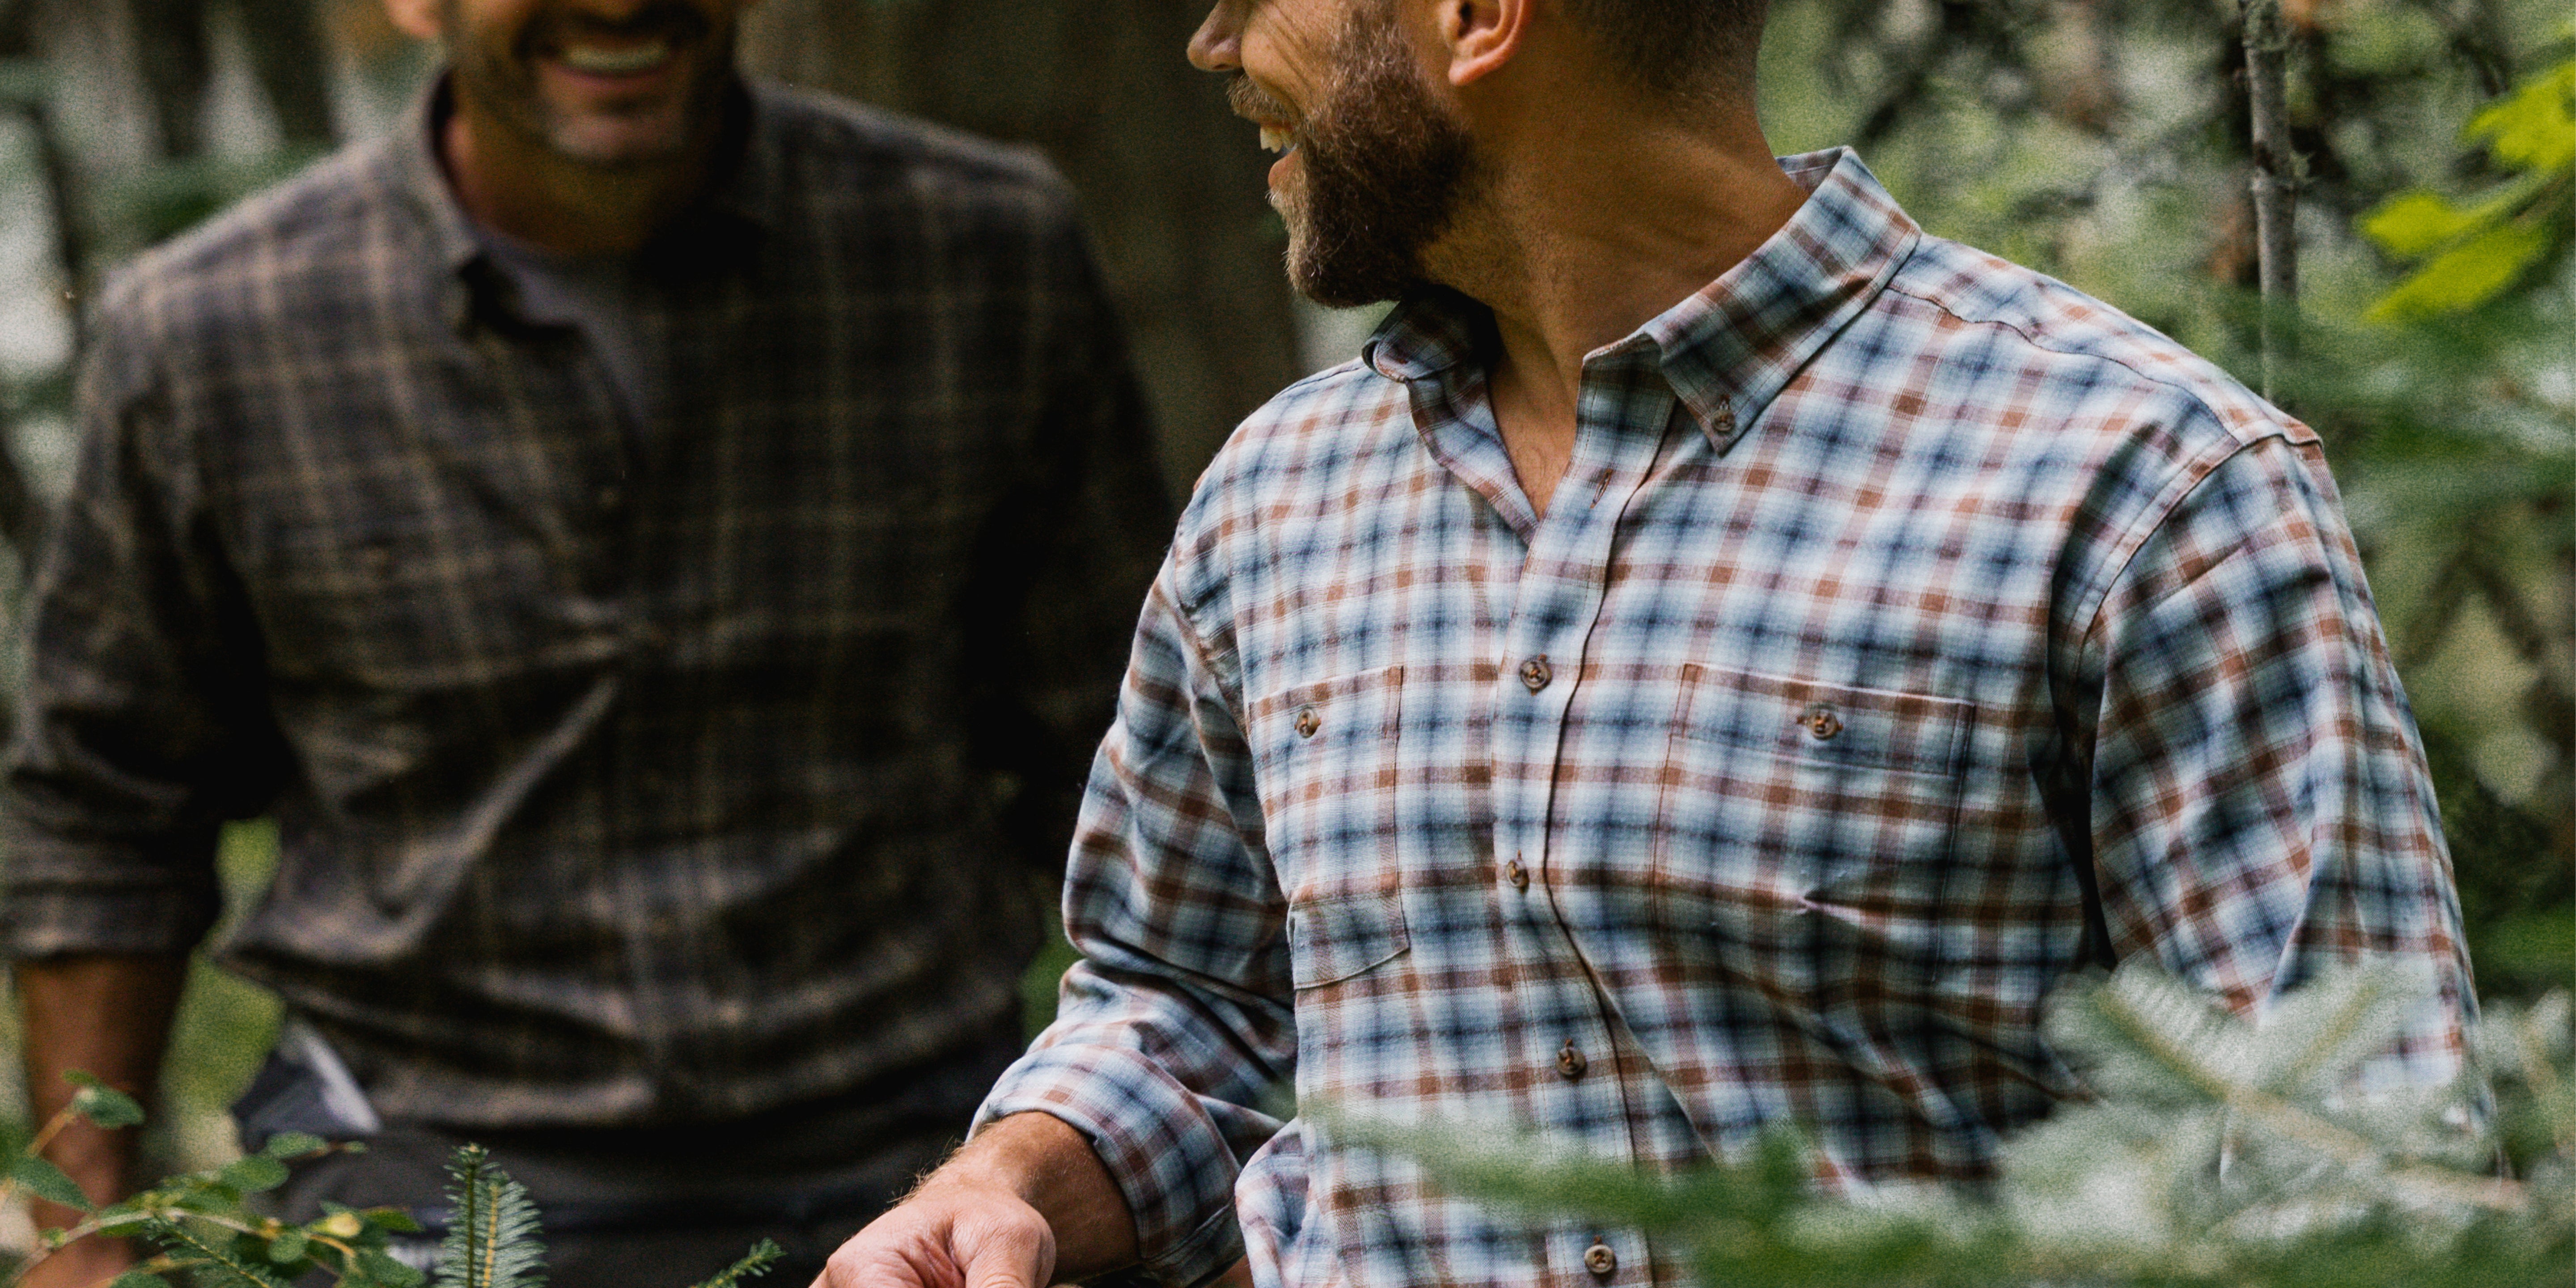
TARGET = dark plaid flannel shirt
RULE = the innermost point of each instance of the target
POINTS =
(621, 777)
(1719, 797)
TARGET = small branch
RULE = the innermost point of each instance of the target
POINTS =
(2275, 185)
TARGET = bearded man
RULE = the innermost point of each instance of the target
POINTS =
(1717, 660)
(661, 548)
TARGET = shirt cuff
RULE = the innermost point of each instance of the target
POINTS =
(1158, 1140)
(57, 903)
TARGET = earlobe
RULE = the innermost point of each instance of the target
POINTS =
(1482, 35)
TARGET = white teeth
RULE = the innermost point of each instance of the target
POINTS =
(615, 62)
(1276, 138)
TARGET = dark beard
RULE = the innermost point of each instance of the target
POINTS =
(1386, 167)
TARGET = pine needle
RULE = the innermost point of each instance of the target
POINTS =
(216, 1265)
(492, 1236)
(754, 1264)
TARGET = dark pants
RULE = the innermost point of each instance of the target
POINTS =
(600, 1229)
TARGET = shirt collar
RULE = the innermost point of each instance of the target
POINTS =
(740, 200)
(1729, 349)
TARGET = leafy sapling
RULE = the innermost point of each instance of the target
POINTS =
(208, 1233)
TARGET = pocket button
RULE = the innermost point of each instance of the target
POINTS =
(1822, 723)
(1308, 722)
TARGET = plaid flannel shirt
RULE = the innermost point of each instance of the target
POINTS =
(1718, 797)
(621, 777)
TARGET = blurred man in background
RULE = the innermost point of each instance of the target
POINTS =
(662, 549)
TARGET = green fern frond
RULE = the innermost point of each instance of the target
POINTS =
(492, 1232)
(754, 1264)
(213, 1261)
(2318, 1034)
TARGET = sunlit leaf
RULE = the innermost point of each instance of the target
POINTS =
(2466, 275)
(2534, 128)
(2417, 223)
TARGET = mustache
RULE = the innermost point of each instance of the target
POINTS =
(1248, 99)
(672, 20)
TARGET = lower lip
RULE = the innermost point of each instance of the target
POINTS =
(1279, 168)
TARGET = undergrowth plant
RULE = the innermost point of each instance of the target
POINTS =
(209, 1234)
(2215, 1153)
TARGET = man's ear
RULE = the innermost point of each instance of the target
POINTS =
(1482, 35)
(417, 18)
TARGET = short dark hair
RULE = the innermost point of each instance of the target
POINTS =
(1678, 47)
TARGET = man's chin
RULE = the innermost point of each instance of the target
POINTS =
(620, 139)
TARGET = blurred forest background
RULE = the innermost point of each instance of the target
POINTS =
(2102, 141)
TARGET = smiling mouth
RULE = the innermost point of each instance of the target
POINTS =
(603, 60)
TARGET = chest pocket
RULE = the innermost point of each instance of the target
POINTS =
(1789, 805)
(1324, 757)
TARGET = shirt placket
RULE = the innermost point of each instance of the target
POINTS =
(1557, 598)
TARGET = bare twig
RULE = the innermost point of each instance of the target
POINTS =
(2275, 184)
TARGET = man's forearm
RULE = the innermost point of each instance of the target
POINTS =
(1025, 1204)
(108, 1015)
(1052, 1168)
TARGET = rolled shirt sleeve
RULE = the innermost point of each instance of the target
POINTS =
(141, 727)
(1177, 1020)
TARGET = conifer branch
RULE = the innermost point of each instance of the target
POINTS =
(492, 1236)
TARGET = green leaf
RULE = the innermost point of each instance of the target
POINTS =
(391, 1218)
(293, 1144)
(139, 1279)
(753, 1264)
(2417, 223)
(379, 1267)
(45, 1180)
(254, 1174)
(492, 1228)
(288, 1247)
(107, 1107)
(2467, 275)
(2534, 128)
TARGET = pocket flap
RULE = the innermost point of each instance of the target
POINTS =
(1340, 935)
(1834, 724)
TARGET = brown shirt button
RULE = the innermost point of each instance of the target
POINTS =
(1535, 673)
(1822, 723)
(1570, 1062)
(1600, 1260)
(1516, 874)
(1308, 722)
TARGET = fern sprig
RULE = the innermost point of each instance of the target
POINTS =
(492, 1235)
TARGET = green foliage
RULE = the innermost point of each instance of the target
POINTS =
(212, 1236)
(2216, 1152)
(2473, 253)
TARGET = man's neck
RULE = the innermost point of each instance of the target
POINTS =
(1587, 238)
(519, 187)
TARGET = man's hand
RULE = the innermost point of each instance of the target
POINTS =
(1023, 1200)
(949, 1236)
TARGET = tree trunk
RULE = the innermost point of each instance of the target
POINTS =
(1170, 182)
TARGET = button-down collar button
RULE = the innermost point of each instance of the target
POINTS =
(1308, 722)
(1535, 673)
(1822, 723)
(1516, 874)
(1600, 1260)
(1570, 1062)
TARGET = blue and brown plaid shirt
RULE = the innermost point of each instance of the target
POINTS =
(1728, 793)
(622, 777)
